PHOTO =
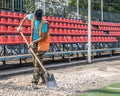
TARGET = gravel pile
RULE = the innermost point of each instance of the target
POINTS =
(71, 81)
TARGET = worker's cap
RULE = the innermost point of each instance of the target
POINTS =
(38, 14)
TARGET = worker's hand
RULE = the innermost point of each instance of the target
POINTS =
(31, 45)
(19, 29)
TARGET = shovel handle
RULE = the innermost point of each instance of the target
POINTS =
(33, 52)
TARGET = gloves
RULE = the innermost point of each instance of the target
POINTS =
(19, 29)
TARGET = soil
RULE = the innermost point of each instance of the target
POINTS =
(71, 81)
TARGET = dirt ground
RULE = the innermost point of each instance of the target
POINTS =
(70, 81)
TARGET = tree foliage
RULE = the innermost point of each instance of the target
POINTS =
(29, 6)
(109, 5)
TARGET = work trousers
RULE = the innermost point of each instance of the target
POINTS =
(38, 71)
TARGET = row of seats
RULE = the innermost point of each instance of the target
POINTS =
(13, 30)
(12, 14)
(59, 19)
(80, 39)
(105, 23)
(10, 39)
(68, 25)
(115, 33)
(59, 31)
(13, 21)
(109, 28)
(55, 31)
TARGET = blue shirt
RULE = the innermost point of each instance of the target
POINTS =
(35, 33)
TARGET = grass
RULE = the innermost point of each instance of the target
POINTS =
(113, 90)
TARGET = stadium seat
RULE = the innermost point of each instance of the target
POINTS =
(60, 25)
(21, 15)
(3, 13)
(28, 22)
(54, 39)
(3, 20)
(11, 29)
(28, 38)
(56, 31)
(16, 21)
(61, 39)
(61, 19)
(74, 39)
(52, 18)
(49, 18)
(24, 29)
(3, 28)
(51, 30)
(3, 40)
(15, 14)
(25, 14)
(9, 20)
(28, 29)
(60, 31)
(11, 39)
(64, 25)
(52, 24)
(10, 14)
(19, 39)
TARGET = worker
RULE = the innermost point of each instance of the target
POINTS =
(40, 41)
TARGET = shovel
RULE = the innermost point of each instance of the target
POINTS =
(49, 78)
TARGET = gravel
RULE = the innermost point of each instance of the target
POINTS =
(71, 81)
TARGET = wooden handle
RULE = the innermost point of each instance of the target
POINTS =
(33, 52)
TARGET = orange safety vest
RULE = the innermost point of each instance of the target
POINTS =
(42, 45)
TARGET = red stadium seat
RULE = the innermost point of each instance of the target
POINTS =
(24, 29)
(3, 40)
(21, 15)
(60, 25)
(52, 18)
(69, 39)
(10, 21)
(64, 25)
(56, 31)
(10, 14)
(56, 19)
(11, 29)
(60, 31)
(51, 30)
(52, 24)
(56, 25)
(19, 40)
(49, 18)
(3, 20)
(16, 21)
(3, 29)
(54, 39)
(75, 39)
(28, 39)
(25, 14)
(28, 29)
(15, 14)
(27, 22)
(60, 39)
(10, 39)
(3, 13)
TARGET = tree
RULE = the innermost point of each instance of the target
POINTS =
(29, 6)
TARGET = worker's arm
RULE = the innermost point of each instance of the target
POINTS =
(22, 22)
(43, 37)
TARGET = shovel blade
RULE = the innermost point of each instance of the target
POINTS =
(50, 81)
